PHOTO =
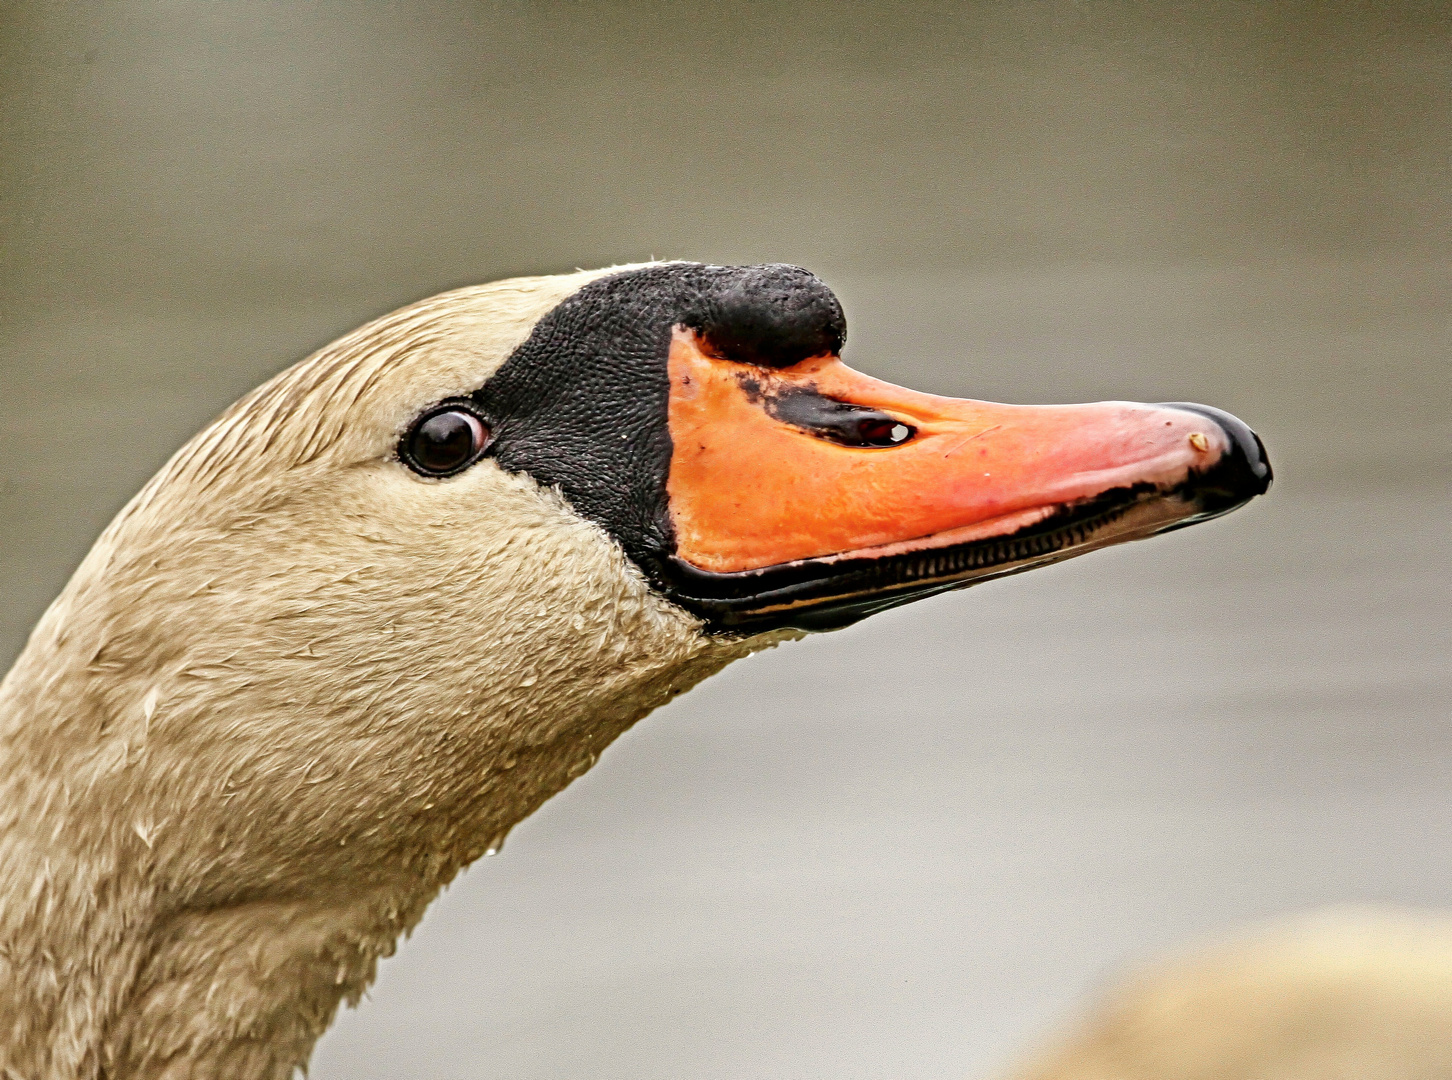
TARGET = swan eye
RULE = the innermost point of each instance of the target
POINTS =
(444, 442)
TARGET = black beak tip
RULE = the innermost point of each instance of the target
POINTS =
(1241, 474)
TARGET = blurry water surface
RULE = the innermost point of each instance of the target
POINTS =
(906, 848)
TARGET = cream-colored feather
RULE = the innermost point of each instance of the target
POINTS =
(1337, 995)
(291, 691)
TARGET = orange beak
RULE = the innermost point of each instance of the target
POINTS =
(794, 483)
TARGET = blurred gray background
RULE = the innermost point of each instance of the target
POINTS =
(909, 848)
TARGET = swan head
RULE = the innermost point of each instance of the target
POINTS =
(696, 425)
(505, 522)
(702, 418)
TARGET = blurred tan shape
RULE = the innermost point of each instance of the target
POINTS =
(1345, 994)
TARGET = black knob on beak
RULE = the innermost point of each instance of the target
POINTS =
(1241, 474)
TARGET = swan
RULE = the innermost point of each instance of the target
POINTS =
(395, 598)
(1341, 994)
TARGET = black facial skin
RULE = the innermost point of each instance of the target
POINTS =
(583, 405)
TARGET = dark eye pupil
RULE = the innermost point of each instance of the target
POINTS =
(445, 442)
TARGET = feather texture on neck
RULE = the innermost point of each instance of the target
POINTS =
(290, 693)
